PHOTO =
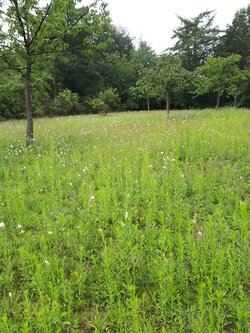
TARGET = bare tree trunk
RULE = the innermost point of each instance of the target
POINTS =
(148, 103)
(235, 101)
(28, 105)
(167, 103)
(218, 101)
(54, 82)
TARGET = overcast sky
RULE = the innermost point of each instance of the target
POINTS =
(154, 20)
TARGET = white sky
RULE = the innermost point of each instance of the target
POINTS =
(154, 21)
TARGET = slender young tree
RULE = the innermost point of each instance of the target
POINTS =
(145, 86)
(170, 77)
(32, 31)
(220, 75)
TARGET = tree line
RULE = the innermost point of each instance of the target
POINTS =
(62, 58)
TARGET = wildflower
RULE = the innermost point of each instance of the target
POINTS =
(2, 224)
(22, 231)
(46, 262)
(199, 233)
(126, 215)
(19, 226)
(92, 197)
(50, 232)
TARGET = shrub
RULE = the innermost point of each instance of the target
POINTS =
(105, 101)
(66, 102)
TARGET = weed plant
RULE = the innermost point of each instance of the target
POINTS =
(134, 222)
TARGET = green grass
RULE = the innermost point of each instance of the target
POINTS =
(133, 222)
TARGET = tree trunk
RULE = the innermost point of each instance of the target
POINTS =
(28, 105)
(148, 103)
(167, 103)
(235, 101)
(218, 101)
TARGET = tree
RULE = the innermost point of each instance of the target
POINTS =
(145, 87)
(144, 56)
(236, 39)
(196, 39)
(220, 75)
(31, 31)
(170, 77)
(122, 43)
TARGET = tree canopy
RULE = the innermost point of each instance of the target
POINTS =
(62, 54)
(196, 39)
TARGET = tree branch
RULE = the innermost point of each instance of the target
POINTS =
(19, 18)
(41, 23)
(10, 65)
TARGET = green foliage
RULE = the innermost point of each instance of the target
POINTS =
(11, 96)
(66, 102)
(110, 97)
(96, 105)
(126, 224)
(236, 39)
(196, 39)
(170, 76)
(82, 51)
(107, 100)
(144, 56)
(145, 87)
(220, 75)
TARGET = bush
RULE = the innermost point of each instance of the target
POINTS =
(105, 101)
(66, 102)
(96, 105)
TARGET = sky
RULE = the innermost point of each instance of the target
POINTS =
(154, 21)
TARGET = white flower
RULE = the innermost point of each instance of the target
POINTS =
(50, 232)
(46, 262)
(126, 214)
(19, 226)
(92, 197)
(22, 231)
(199, 233)
(2, 224)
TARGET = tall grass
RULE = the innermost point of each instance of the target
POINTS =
(128, 223)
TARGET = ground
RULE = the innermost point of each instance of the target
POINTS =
(134, 222)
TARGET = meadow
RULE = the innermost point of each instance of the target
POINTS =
(134, 222)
